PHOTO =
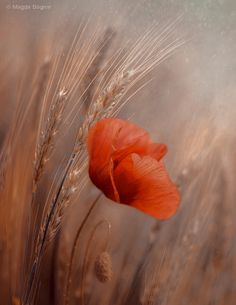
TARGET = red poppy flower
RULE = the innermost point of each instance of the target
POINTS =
(126, 165)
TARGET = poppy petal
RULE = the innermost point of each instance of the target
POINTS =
(112, 138)
(143, 182)
(157, 151)
(100, 150)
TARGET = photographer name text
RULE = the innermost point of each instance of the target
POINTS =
(28, 7)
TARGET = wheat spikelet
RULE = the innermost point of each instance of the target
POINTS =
(45, 148)
(91, 77)
(32, 110)
(104, 105)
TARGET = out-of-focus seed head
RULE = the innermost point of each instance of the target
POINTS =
(103, 267)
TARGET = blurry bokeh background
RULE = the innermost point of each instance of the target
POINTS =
(191, 106)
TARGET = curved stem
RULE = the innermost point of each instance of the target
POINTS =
(68, 280)
(84, 268)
